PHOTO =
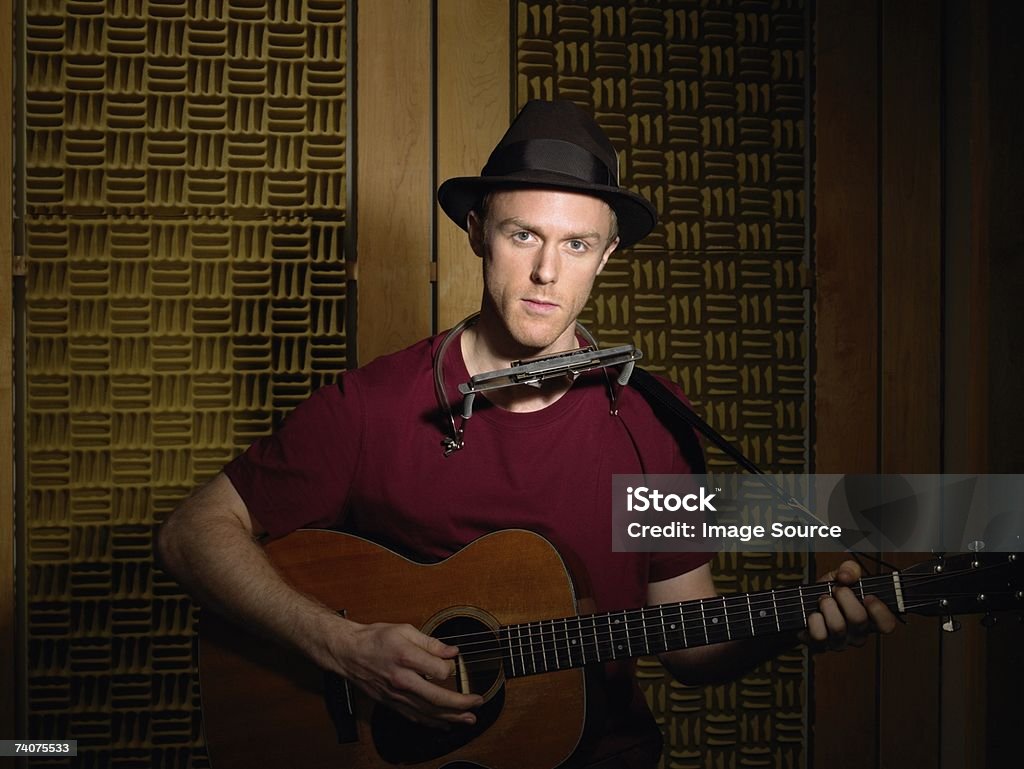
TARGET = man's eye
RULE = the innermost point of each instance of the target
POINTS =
(522, 236)
(577, 245)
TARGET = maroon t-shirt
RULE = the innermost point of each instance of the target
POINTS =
(365, 457)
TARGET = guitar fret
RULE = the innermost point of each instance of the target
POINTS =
(659, 626)
(562, 651)
(704, 622)
(511, 654)
(619, 637)
(558, 649)
(580, 642)
(543, 651)
(738, 619)
(800, 591)
(663, 640)
(562, 658)
(643, 627)
(750, 611)
(533, 653)
(597, 645)
(674, 626)
(790, 609)
(627, 633)
(762, 606)
(716, 625)
(778, 625)
(693, 622)
(553, 646)
(522, 649)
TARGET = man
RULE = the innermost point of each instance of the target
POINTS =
(365, 456)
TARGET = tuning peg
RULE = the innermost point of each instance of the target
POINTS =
(950, 623)
(989, 620)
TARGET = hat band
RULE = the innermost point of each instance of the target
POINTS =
(550, 155)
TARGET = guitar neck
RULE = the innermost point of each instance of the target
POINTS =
(557, 644)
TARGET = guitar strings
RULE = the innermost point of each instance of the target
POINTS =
(551, 635)
(691, 609)
(536, 634)
(536, 654)
(759, 600)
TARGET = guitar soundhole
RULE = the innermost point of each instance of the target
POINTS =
(478, 670)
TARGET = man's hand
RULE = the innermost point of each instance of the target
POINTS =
(208, 545)
(398, 666)
(842, 620)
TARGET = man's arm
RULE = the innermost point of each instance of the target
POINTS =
(209, 545)
(841, 620)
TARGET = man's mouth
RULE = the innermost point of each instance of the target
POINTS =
(539, 305)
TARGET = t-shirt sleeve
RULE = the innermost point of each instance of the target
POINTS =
(667, 565)
(300, 475)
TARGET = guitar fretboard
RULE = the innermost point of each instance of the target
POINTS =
(557, 644)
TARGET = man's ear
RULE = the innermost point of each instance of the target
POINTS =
(608, 252)
(475, 228)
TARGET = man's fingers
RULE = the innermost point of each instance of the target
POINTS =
(432, 645)
(853, 611)
(847, 573)
(434, 704)
(842, 619)
(422, 656)
(881, 615)
(835, 623)
(438, 697)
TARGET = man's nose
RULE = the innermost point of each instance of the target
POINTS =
(545, 266)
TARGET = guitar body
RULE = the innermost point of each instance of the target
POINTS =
(265, 705)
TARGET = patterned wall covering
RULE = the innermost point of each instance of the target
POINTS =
(186, 190)
(706, 104)
(186, 193)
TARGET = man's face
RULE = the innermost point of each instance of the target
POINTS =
(541, 250)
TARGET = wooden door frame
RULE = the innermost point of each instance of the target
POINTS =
(426, 110)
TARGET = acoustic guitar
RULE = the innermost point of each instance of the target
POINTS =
(508, 602)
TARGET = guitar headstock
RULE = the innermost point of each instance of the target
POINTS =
(965, 584)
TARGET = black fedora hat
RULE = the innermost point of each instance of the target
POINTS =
(555, 145)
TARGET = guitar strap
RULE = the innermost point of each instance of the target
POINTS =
(681, 421)
(678, 418)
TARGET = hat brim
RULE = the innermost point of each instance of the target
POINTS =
(636, 216)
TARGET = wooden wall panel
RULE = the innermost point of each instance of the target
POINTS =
(846, 330)
(911, 340)
(846, 214)
(901, 338)
(911, 237)
(1005, 707)
(965, 370)
(473, 111)
(7, 599)
(394, 179)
